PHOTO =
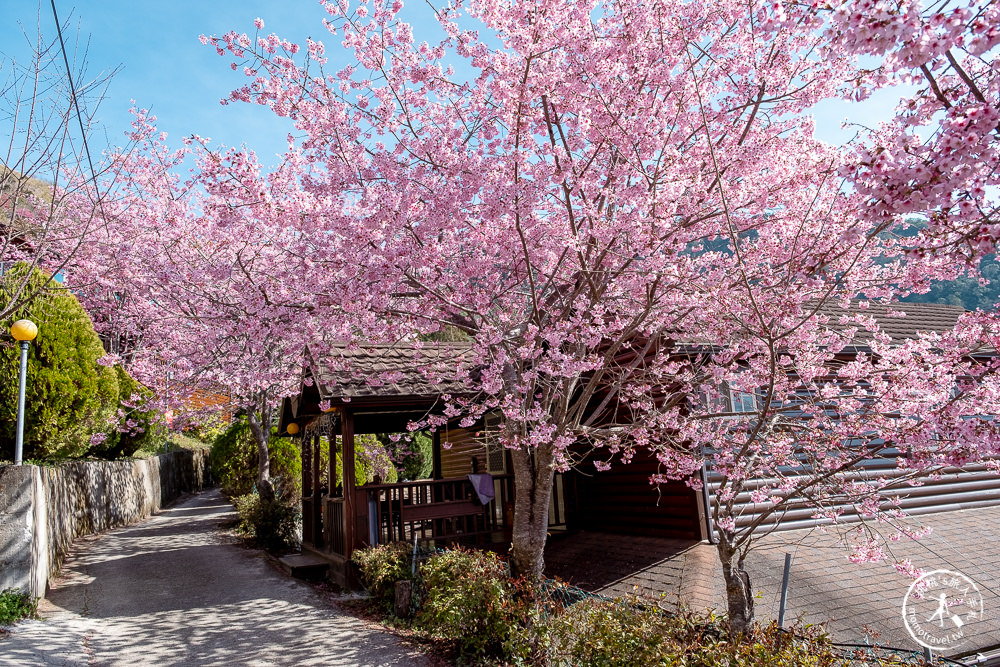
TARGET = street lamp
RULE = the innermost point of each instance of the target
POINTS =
(23, 331)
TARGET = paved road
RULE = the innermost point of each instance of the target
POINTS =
(174, 590)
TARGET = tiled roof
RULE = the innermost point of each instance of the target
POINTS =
(433, 369)
(392, 371)
(900, 320)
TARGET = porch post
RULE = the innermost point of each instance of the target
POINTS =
(436, 455)
(307, 486)
(306, 465)
(350, 502)
(317, 495)
(331, 472)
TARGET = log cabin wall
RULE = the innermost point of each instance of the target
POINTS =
(456, 461)
(621, 500)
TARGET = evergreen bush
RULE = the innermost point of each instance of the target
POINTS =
(69, 397)
(234, 461)
(136, 427)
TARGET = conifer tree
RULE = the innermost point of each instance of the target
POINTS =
(70, 398)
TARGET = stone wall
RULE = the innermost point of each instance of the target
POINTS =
(43, 509)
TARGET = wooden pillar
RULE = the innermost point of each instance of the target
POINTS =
(307, 486)
(436, 455)
(317, 493)
(306, 453)
(437, 528)
(316, 466)
(347, 460)
(331, 473)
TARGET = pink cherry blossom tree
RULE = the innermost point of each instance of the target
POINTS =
(937, 157)
(203, 277)
(625, 209)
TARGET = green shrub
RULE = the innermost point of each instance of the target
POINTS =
(234, 461)
(74, 406)
(140, 428)
(269, 524)
(469, 600)
(629, 631)
(137, 428)
(371, 461)
(381, 567)
(597, 632)
(69, 396)
(16, 605)
(413, 457)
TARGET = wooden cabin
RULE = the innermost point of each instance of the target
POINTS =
(390, 387)
(339, 516)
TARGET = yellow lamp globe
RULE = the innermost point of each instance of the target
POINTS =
(23, 330)
(292, 428)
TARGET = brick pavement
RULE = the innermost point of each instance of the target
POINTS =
(824, 586)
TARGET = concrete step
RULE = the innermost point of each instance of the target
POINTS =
(305, 566)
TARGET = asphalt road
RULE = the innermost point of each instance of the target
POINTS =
(175, 590)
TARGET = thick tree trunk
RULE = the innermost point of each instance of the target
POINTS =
(262, 435)
(533, 478)
(739, 595)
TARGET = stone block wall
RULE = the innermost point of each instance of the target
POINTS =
(43, 509)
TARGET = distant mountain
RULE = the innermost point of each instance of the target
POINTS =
(966, 291)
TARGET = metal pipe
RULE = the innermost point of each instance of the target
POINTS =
(707, 502)
(784, 590)
(22, 383)
(413, 561)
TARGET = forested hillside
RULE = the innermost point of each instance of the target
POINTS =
(967, 291)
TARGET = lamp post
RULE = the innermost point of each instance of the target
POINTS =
(23, 331)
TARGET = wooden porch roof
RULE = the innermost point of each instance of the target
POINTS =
(385, 386)
(392, 373)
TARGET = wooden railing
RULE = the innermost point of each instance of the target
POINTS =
(440, 511)
(333, 525)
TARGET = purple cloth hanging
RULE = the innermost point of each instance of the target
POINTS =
(483, 485)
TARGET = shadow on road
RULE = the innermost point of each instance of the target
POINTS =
(173, 590)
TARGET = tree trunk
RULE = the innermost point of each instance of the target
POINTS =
(533, 479)
(261, 430)
(739, 595)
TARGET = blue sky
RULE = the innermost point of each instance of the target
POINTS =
(166, 69)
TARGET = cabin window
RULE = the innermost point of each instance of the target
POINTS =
(742, 401)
